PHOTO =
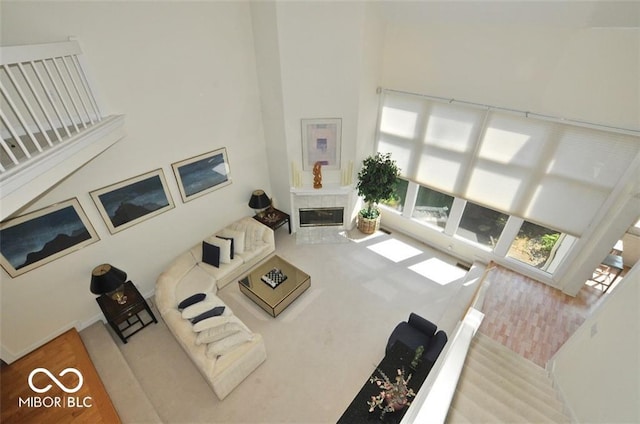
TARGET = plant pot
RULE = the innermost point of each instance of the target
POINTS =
(368, 225)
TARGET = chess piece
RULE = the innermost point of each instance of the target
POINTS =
(317, 175)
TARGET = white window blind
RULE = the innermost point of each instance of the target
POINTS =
(550, 173)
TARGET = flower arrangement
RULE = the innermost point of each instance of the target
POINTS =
(393, 395)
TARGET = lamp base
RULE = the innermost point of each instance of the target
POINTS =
(118, 295)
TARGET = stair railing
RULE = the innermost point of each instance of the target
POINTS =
(46, 99)
(51, 120)
(433, 400)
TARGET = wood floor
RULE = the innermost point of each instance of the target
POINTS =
(531, 318)
(21, 404)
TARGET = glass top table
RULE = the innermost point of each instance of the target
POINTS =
(274, 299)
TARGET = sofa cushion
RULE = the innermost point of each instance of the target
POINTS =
(195, 281)
(191, 300)
(181, 265)
(223, 245)
(258, 249)
(256, 232)
(238, 238)
(211, 254)
(213, 312)
(219, 273)
(194, 310)
(252, 229)
(220, 347)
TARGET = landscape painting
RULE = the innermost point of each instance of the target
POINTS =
(34, 239)
(202, 174)
(129, 202)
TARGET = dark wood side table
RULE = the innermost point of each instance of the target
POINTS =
(274, 219)
(123, 317)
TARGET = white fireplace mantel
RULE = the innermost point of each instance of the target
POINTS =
(326, 190)
(327, 196)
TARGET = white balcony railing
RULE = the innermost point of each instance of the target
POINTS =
(47, 104)
(432, 402)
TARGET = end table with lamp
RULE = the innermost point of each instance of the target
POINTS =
(266, 213)
(120, 301)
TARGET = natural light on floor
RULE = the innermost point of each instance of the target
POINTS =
(394, 250)
(438, 271)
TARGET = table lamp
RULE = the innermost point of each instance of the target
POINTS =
(259, 202)
(109, 280)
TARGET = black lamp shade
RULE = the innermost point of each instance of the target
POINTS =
(259, 200)
(106, 278)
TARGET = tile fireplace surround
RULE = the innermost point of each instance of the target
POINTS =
(326, 197)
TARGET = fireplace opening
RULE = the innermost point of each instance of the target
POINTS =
(321, 217)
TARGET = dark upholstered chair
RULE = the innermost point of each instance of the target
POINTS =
(418, 331)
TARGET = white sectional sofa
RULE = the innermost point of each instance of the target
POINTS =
(224, 365)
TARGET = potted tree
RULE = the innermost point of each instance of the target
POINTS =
(376, 182)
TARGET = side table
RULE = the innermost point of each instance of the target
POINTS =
(122, 317)
(274, 219)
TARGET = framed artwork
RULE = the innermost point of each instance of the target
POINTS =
(39, 237)
(321, 143)
(132, 201)
(202, 174)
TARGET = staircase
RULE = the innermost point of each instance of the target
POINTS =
(499, 386)
(124, 389)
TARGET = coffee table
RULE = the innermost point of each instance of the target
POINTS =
(274, 300)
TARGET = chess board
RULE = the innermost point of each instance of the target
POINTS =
(274, 278)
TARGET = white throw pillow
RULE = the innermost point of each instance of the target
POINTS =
(224, 246)
(227, 344)
(210, 302)
(237, 236)
(219, 332)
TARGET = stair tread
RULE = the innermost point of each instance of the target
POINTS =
(540, 381)
(501, 408)
(542, 388)
(527, 404)
(499, 350)
(465, 406)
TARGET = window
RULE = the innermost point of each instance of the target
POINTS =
(481, 225)
(521, 167)
(535, 245)
(554, 173)
(397, 202)
(432, 207)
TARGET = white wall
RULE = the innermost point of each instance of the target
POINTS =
(578, 73)
(267, 49)
(321, 64)
(597, 369)
(184, 74)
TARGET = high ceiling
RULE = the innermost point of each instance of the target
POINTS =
(577, 14)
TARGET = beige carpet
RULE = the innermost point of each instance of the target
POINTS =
(323, 347)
